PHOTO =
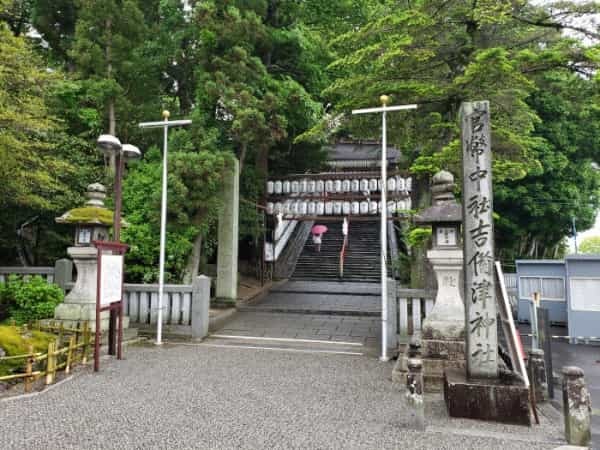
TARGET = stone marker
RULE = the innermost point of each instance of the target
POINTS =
(480, 393)
(536, 369)
(414, 393)
(577, 407)
(480, 301)
(228, 236)
(200, 306)
(400, 371)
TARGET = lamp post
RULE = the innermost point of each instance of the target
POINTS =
(111, 146)
(383, 110)
(164, 124)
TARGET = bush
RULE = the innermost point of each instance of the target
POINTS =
(30, 299)
(15, 341)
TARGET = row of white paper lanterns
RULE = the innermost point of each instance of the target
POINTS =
(394, 184)
(335, 208)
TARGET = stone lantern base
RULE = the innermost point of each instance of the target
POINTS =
(443, 336)
(442, 340)
(80, 304)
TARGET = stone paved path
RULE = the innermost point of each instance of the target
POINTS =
(305, 326)
(317, 310)
(194, 396)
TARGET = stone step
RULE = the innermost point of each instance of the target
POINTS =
(285, 344)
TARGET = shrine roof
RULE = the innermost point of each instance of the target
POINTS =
(360, 151)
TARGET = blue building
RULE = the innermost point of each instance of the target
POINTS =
(569, 289)
(546, 276)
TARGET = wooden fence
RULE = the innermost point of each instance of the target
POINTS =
(57, 357)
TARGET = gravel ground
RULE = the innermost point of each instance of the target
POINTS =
(193, 396)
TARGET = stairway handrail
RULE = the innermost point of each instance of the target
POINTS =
(343, 251)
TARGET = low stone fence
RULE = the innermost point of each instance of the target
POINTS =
(61, 274)
(413, 307)
(185, 306)
(407, 308)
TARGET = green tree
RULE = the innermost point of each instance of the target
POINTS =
(258, 75)
(55, 20)
(536, 212)
(590, 245)
(194, 181)
(108, 54)
(438, 54)
(32, 168)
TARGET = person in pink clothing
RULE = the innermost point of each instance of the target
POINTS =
(317, 235)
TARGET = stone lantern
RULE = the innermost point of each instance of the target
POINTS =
(443, 331)
(92, 222)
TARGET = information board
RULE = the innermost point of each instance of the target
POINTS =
(111, 279)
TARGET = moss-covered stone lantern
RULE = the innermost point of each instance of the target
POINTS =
(93, 220)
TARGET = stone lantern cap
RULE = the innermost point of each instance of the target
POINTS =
(445, 209)
(93, 212)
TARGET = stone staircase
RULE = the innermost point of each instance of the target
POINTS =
(362, 260)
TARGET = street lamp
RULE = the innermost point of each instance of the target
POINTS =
(110, 146)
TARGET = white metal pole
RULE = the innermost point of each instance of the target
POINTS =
(163, 232)
(164, 124)
(384, 288)
(384, 309)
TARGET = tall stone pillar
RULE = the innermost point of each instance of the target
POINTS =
(228, 237)
(479, 279)
(480, 393)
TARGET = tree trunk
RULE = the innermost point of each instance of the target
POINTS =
(421, 275)
(193, 262)
(242, 155)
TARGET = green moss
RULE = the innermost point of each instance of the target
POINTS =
(16, 341)
(87, 214)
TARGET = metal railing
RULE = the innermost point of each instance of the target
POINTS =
(342, 256)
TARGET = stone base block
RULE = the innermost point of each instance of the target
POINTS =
(77, 312)
(485, 399)
(443, 349)
(444, 329)
(70, 314)
(437, 356)
(438, 366)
